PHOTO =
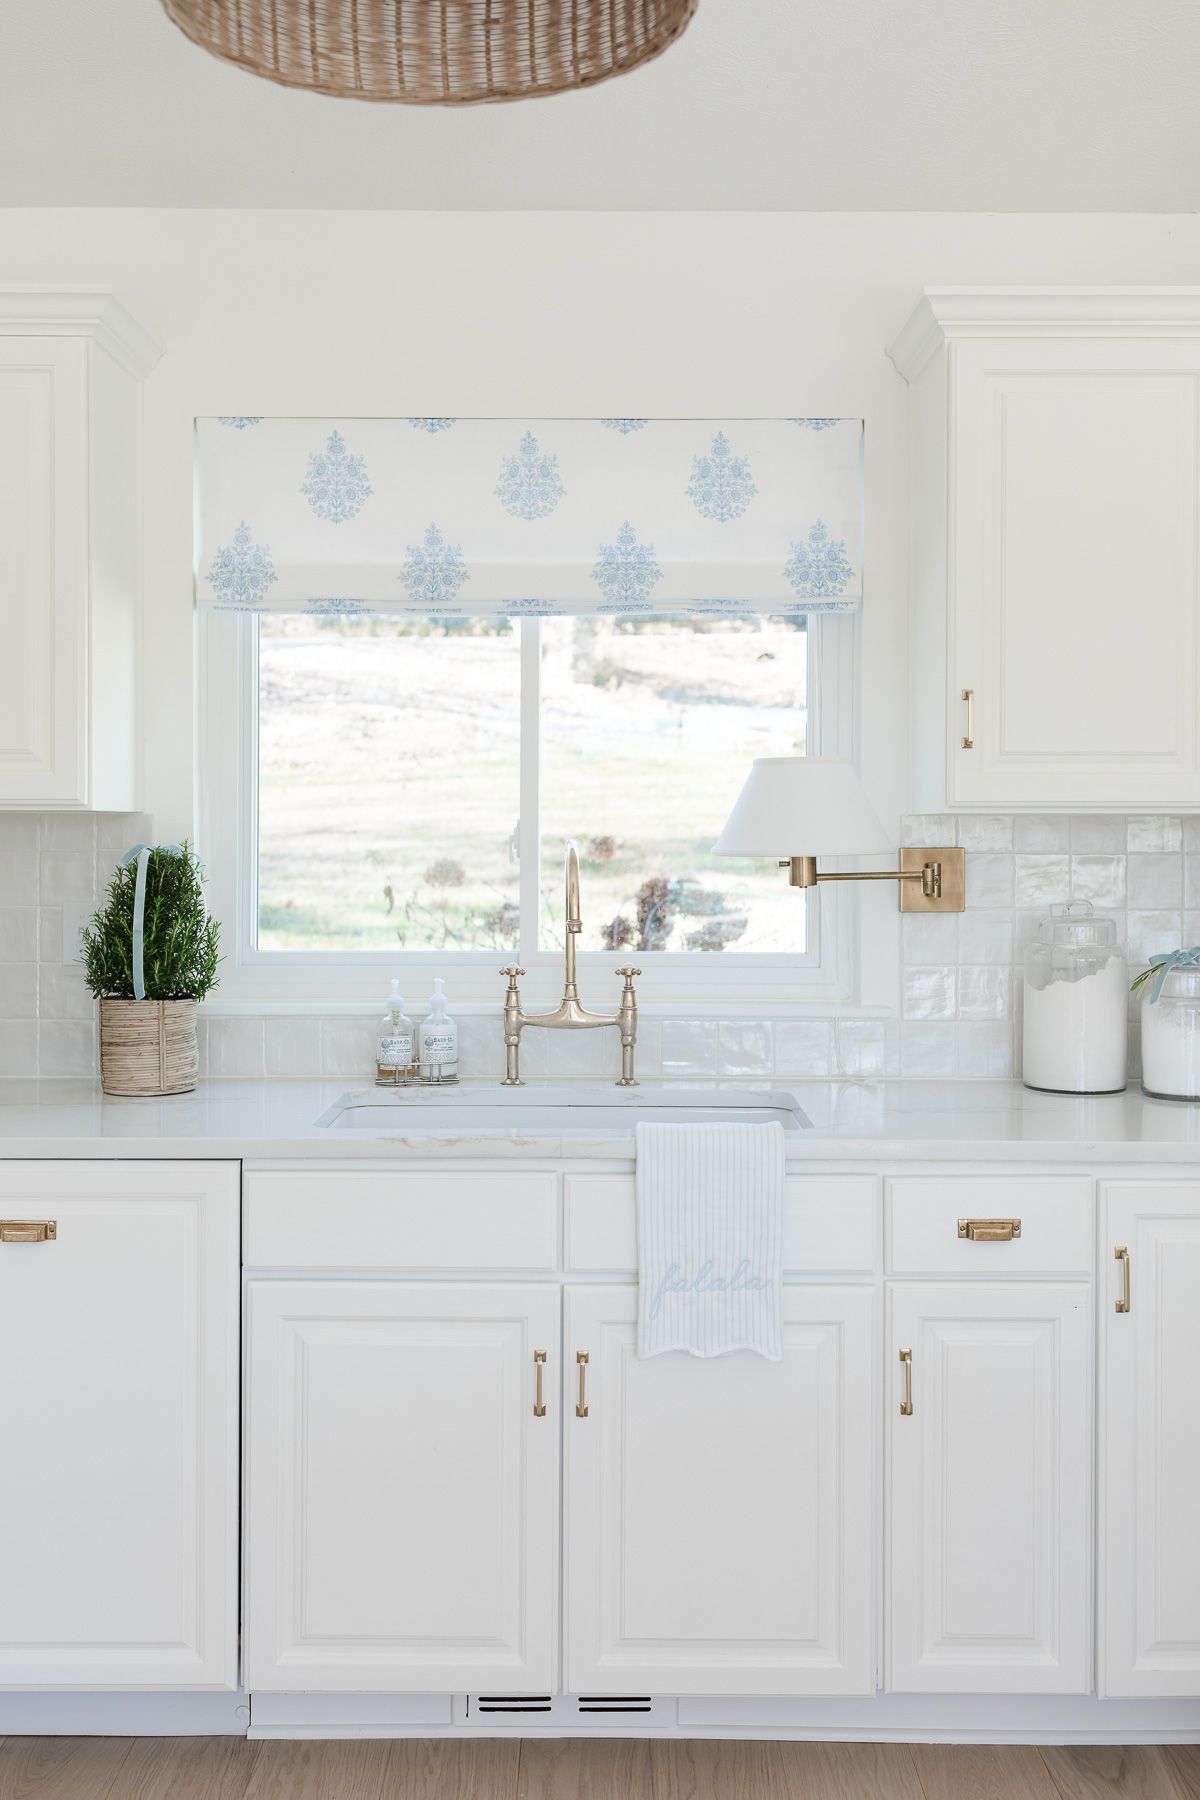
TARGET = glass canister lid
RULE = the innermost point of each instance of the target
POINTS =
(1078, 925)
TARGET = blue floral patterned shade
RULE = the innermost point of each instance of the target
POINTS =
(530, 517)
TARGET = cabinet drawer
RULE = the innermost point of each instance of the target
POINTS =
(926, 1213)
(389, 1219)
(828, 1227)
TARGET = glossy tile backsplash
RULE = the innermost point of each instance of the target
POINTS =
(959, 997)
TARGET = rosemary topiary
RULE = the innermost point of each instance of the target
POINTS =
(179, 942)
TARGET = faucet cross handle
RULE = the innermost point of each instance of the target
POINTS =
(512, 975)
(629, 975)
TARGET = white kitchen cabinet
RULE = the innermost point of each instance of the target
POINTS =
(990, 1488)
(118, 1418)
(1055, 489)
(1150, 1440)
(71, 363)
(720, 1513)
(402, 1499)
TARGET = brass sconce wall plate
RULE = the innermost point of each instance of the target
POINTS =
(953, 897)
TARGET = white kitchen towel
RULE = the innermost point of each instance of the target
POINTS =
(710, 1239)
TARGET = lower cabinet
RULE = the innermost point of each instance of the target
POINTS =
(118, 1417)
(1150, 1439)
(719, 1513)
(403, 1486)
(990, 1488)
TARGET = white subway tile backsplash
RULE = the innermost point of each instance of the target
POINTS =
(1154, 832)
(985, 831)
(859, 1048)
(985, 936)
(62, 993)
(803, 1047)
(929, 828)
(292, 1046)
(928, 1052)
(1041, 832)
(689, 1047)
(18, 860)
(18, 990)
(929, 993)
(18, 1048)
(18, 933)
(985, 1051)
(990, 877)
(1098, 834)
(65, 877)
(1152, 933)
(929, 937)
(1154, 880)
(67, 1048)
(235, 1046)
(1191, 882)
(744, 1048)
(1099, 880)
(1042, 880)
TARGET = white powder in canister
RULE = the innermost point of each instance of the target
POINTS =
(1076, 1031)
(1171, 1047)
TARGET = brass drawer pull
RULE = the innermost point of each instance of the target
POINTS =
(968, 743)
(906, 1365)
(989, 1231)
(581, 1406)
(539, 1364)
(28, 1231)
(1121, 1255)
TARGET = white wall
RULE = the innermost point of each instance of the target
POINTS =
(542, 313)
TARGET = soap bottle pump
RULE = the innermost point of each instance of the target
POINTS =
(395, 1057)
(437, 1040)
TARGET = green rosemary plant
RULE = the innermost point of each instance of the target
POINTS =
(179, 941)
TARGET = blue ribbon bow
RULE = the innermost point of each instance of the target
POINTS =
(1162, 966)
(141, 855)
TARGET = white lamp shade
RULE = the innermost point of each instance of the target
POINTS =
(802, 806)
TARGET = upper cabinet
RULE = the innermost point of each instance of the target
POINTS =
(1054, 564)
(71, 364)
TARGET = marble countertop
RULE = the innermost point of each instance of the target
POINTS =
(928, 1121)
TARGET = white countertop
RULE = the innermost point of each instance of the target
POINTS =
(929, 1121)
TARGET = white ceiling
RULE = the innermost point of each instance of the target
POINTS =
(915, 105)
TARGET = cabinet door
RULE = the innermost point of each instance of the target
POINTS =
(118, 1417)
(1074, 486)
(1150, 1442)
(403, 1495)
(719, 1513)
(991, 1489)
(43, 571)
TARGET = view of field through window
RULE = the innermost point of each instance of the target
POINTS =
(389, 780)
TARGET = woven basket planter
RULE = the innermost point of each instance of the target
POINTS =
(148, 1046)
(434, 52)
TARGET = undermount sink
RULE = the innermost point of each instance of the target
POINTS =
(546, 1108)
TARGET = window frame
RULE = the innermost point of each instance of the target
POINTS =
(727, 984)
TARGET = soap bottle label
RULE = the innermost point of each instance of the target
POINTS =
(396, 1050)
(438, 1047)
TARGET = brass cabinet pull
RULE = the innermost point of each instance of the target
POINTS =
(906, 1364)
(581, 1406)
(1121, 1255)
(968, 743)
(989, 1231)
(28, 1231)
(539, 1364)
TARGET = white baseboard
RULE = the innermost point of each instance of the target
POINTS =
(896, 1718)
(116, 1714)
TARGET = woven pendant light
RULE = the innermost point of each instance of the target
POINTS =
(434, 52)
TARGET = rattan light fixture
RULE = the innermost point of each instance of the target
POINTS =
(434, 52)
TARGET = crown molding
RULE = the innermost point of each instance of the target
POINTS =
(91, 312)
(944, 314)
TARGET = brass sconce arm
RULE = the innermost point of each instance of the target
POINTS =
(931, 878)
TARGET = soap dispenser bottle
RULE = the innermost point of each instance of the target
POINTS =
(395, 1057)
(437, 1040)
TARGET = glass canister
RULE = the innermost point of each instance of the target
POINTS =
(1076, 1029)
(1171, 1028)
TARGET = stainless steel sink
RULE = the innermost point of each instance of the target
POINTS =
(552, 1109)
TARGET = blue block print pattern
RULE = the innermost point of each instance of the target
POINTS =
(626, 573)
(336, 484)
(241, 572)
(818, 568)
(433, 572)
(722, 486)
(625, 426)
(529, 485)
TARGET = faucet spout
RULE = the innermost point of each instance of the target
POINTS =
(573, 919)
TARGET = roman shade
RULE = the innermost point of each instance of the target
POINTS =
(450, 517)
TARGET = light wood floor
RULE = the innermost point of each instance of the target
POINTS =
(578, 1769)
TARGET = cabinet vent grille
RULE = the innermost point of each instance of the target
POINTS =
(514, 1703)
(558, 1710)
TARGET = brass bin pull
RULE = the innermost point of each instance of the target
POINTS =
(1121, 1255)
(28, 1231)
(581, 1406)
(539, 1364)
(989, 1231)
(906, 1365)
(968, 743)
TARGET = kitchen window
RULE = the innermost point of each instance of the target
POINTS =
(395, 793)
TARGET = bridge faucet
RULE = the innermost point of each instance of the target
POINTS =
(569, 1015)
